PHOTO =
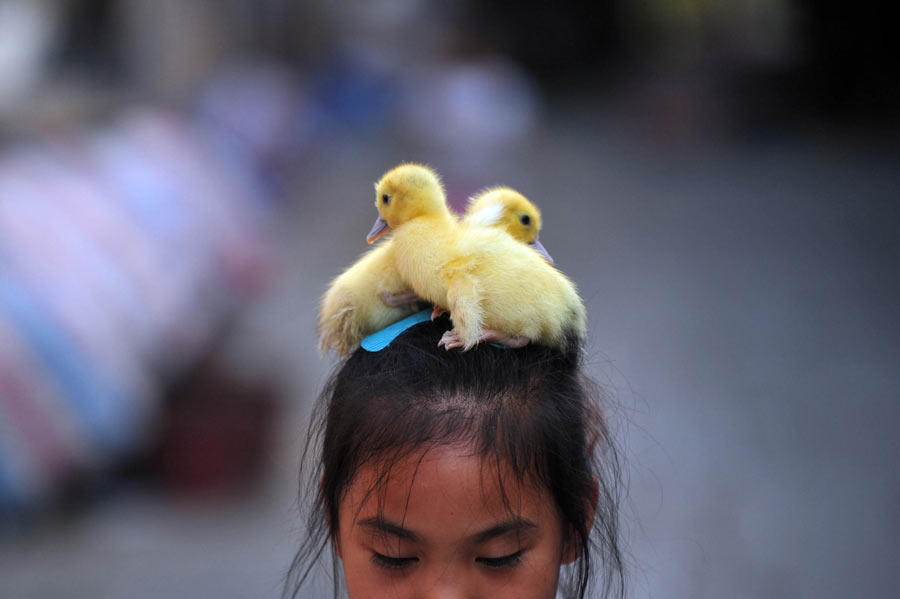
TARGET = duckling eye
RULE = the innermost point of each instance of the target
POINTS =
(386, 199)
(525, 220)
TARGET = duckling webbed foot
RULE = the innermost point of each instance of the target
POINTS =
(451, 340)
(399, 299)
(510, 341)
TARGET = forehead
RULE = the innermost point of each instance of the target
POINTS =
(526, 207)
(444, 493)
(519, 205)
(412, 178)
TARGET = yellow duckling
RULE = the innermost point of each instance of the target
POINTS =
(495, 288)
(365, 298)
(507, 209)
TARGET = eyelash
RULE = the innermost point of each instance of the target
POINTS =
(506, 561)
(392, 563)
(399, 563)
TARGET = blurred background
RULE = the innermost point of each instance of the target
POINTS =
(179, 180)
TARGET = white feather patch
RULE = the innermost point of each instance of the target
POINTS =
(487, 216)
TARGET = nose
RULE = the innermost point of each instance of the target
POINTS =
(448, 584)
(445, 591)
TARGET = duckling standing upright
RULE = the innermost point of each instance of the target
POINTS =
(495, 288)
(370, 294)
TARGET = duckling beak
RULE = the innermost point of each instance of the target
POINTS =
(540, 249)
(379, 230)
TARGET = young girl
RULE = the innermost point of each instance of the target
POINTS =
(486, 473)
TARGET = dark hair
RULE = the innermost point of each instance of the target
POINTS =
(530, 409)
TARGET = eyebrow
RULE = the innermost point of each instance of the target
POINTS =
(513, 525)
(376, 524)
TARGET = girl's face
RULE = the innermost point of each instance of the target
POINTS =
(445, 529)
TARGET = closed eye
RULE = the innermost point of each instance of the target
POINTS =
(505, 561)
(392, 563)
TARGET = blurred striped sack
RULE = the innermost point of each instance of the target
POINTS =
(121, 250)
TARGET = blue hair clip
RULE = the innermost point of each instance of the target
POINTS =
(381, 339)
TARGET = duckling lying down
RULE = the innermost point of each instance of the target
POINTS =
(496, 288)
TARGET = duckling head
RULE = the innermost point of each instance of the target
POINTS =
(404, 193)
(509, 210)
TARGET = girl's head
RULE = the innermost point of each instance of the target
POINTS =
(463, 474)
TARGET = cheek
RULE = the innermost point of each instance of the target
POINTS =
(356, 575)
(539, 574)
